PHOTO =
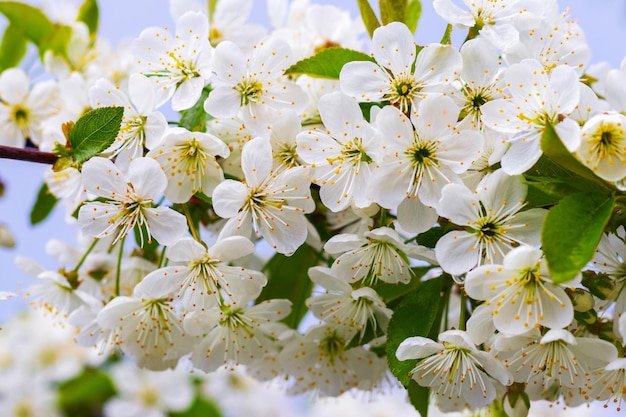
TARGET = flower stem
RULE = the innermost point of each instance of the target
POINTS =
(30, 155)
(462, 309)
(82, 260)
(118, 270)
(192, 228)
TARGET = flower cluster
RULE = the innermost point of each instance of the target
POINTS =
(450, 214)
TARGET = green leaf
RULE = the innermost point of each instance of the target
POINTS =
(13, 47)
(201, 407)
(553, 149)
(545, 191)
(89, 15)
(369, 17)
(36, 27)
(392, 11)
(33, 22)
(389, 292)
(419, 396)
(572, 231)
(422, 303)
(85, 394)
(195, 118)
(95, 131)
(446, 39)
(43, 206)
(327, 63)
(288, 278)
(413, 14)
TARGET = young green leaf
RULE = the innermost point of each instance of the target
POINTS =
(572, 230)
(369, 17)
(419, 396)
(392, 11)
(33, 22)
(288, 278)
(446, 39)
(201, 407)
(327, 63)
(13, 47)
(422, 303)
(95, 131)
(36, 27)
(413, 14)
(553, 148)
(44, 204)
(85, 394)
(89, 15)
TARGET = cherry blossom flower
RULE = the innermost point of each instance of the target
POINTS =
(379, 254)
(237, 334)
(558, 361)
(189, 160)
(253, 87)
(142, 126)
(419, 157)
(520, 293)
(458, 374)
(147, 393)
(609, 384)
(129, 202)
(23, 108)
(554, 96)
(492, 19)
(493, 221)
(228, 22)
(147, 329)
(603, 146)
(400, 75)
(274, 203)
(342, 156)
(321, 362)
(346, 307)
(204, 279)
(178, 64)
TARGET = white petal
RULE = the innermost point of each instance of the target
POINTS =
(231, 248)
(256, 161)
(229, 197)
(147, 178)
(417, 347)
(102, 178)
(187, 94)
(141, 92)
(166, 225)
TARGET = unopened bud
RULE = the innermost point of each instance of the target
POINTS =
(516, 404)
(6, 237)
(582, 300)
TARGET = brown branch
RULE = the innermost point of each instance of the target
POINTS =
(30, 155)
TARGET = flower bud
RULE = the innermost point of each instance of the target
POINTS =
(516, 404)
(6, 237)
(582, 300)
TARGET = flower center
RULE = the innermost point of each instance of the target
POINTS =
(249, 91)
(185, 70)
(332, 345)
(401, 92)
(607, 142)
(20, 115)
(149, 397)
